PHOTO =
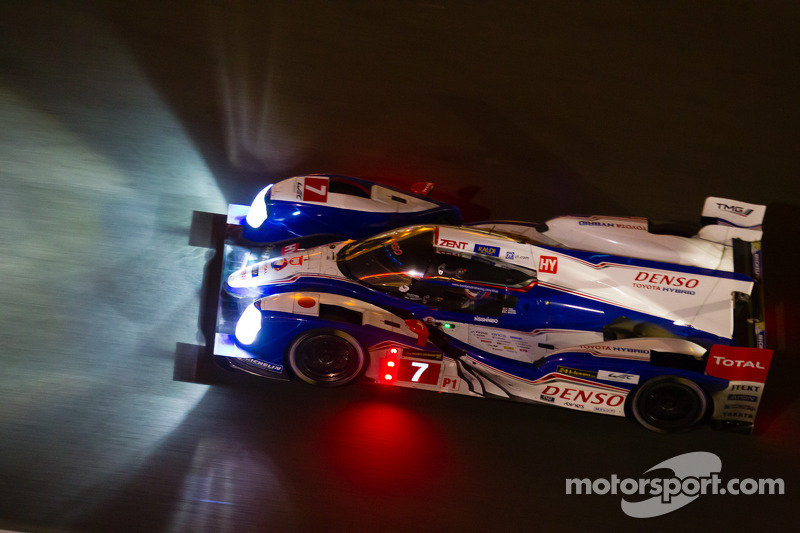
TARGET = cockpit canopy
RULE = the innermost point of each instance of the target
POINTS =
(405, 263)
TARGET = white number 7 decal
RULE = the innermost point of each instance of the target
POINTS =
(422, 368)
(320, 191)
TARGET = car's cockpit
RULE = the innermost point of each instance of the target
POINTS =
(406, 264)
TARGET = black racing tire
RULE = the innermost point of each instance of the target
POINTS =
(669, 404)
(326, 357)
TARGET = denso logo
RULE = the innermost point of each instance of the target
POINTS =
(663, 279)
(735, 209)
(447, 243)
(584, 396)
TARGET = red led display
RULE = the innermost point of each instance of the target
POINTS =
(426, 372)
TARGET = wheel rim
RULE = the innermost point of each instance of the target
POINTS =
(327, 358)
(671, 406)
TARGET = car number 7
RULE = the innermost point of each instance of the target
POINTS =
(422, 367)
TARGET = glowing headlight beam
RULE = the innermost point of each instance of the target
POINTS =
(257, 213)
(249, 325)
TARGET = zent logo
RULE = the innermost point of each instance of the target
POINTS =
(548, 264)
(447, 243)
(315, 190)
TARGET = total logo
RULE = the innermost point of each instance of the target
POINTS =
(739, 363)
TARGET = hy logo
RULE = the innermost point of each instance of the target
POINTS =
(548, 264)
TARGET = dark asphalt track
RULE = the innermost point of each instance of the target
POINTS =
(119, 119)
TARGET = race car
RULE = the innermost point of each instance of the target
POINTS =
(607, 315)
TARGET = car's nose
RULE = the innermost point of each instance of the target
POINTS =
(268, 271)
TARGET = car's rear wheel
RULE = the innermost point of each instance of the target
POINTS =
(326, 357)
(669, 404)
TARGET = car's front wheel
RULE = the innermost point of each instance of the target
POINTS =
(669, 404)
(326, 357)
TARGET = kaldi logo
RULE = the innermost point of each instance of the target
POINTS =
(738, 364)
(548, 264)
(447, 243)
(315, 190)
(583, 396)
(487, 250)
(670, 281)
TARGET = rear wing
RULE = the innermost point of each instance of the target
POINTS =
(734, 213)
(738, 225)
(726, 220)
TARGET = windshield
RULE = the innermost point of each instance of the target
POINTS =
(405, 263)
(391, 260)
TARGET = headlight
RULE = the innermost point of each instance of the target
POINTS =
(257, 213)
(249, 325)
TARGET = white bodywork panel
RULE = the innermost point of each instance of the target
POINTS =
(701, 300)
(319, 261)
(630, 237)
(301, 303)
(316, 190)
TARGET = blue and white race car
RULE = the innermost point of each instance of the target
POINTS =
(601, 314)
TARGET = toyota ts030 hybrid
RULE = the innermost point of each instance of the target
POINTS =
(620, 316)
